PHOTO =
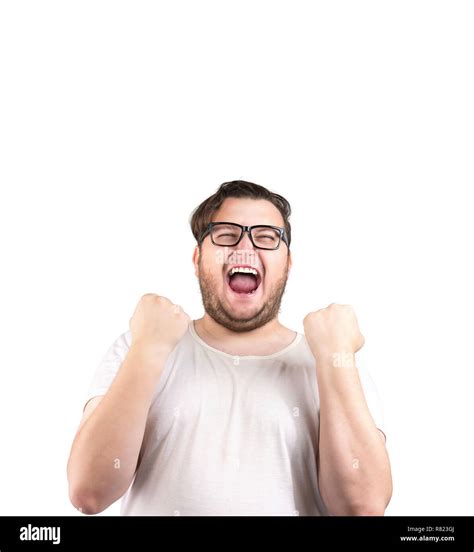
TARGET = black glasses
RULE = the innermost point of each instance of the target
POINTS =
(229, 234)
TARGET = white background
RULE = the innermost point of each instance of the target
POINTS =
(118, 118)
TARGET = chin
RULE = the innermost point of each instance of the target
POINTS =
(244, 313)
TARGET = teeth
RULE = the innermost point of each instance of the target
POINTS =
(243, 270)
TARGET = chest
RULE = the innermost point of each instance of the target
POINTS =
(239, 404)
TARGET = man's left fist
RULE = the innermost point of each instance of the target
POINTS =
(333, 331)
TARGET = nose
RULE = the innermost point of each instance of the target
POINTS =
(245, 242)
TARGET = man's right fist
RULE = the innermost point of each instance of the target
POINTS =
(157, 324)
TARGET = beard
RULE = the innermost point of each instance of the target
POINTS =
(217, 311)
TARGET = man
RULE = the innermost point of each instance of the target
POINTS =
(233, 414)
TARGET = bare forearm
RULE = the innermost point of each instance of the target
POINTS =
(105, 450)
(354, 469)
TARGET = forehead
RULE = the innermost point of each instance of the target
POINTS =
(248, 212)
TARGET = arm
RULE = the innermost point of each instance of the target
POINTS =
(105, 451)
(353, 468)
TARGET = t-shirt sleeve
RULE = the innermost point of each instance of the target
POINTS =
(109, 366)
(372, 397)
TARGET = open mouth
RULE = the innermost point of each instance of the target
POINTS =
(244, 280)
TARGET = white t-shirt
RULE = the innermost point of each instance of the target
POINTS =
(228, 435)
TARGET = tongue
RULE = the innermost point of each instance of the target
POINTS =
(243, 283)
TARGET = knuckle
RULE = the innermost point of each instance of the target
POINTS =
(309, 317)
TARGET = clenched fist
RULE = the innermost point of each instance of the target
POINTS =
(157, 324)
(332, 332)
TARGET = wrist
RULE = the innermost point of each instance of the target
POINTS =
(343, 358)
(151, 352)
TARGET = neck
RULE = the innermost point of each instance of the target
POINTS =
(268, 339)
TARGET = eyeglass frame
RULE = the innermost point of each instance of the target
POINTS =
(248, 229)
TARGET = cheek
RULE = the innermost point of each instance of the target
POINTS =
(275, 269)
(212, 264)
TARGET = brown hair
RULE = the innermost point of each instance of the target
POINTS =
(202, 215)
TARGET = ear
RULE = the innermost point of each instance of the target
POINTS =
(290, 262)
(196, 255)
